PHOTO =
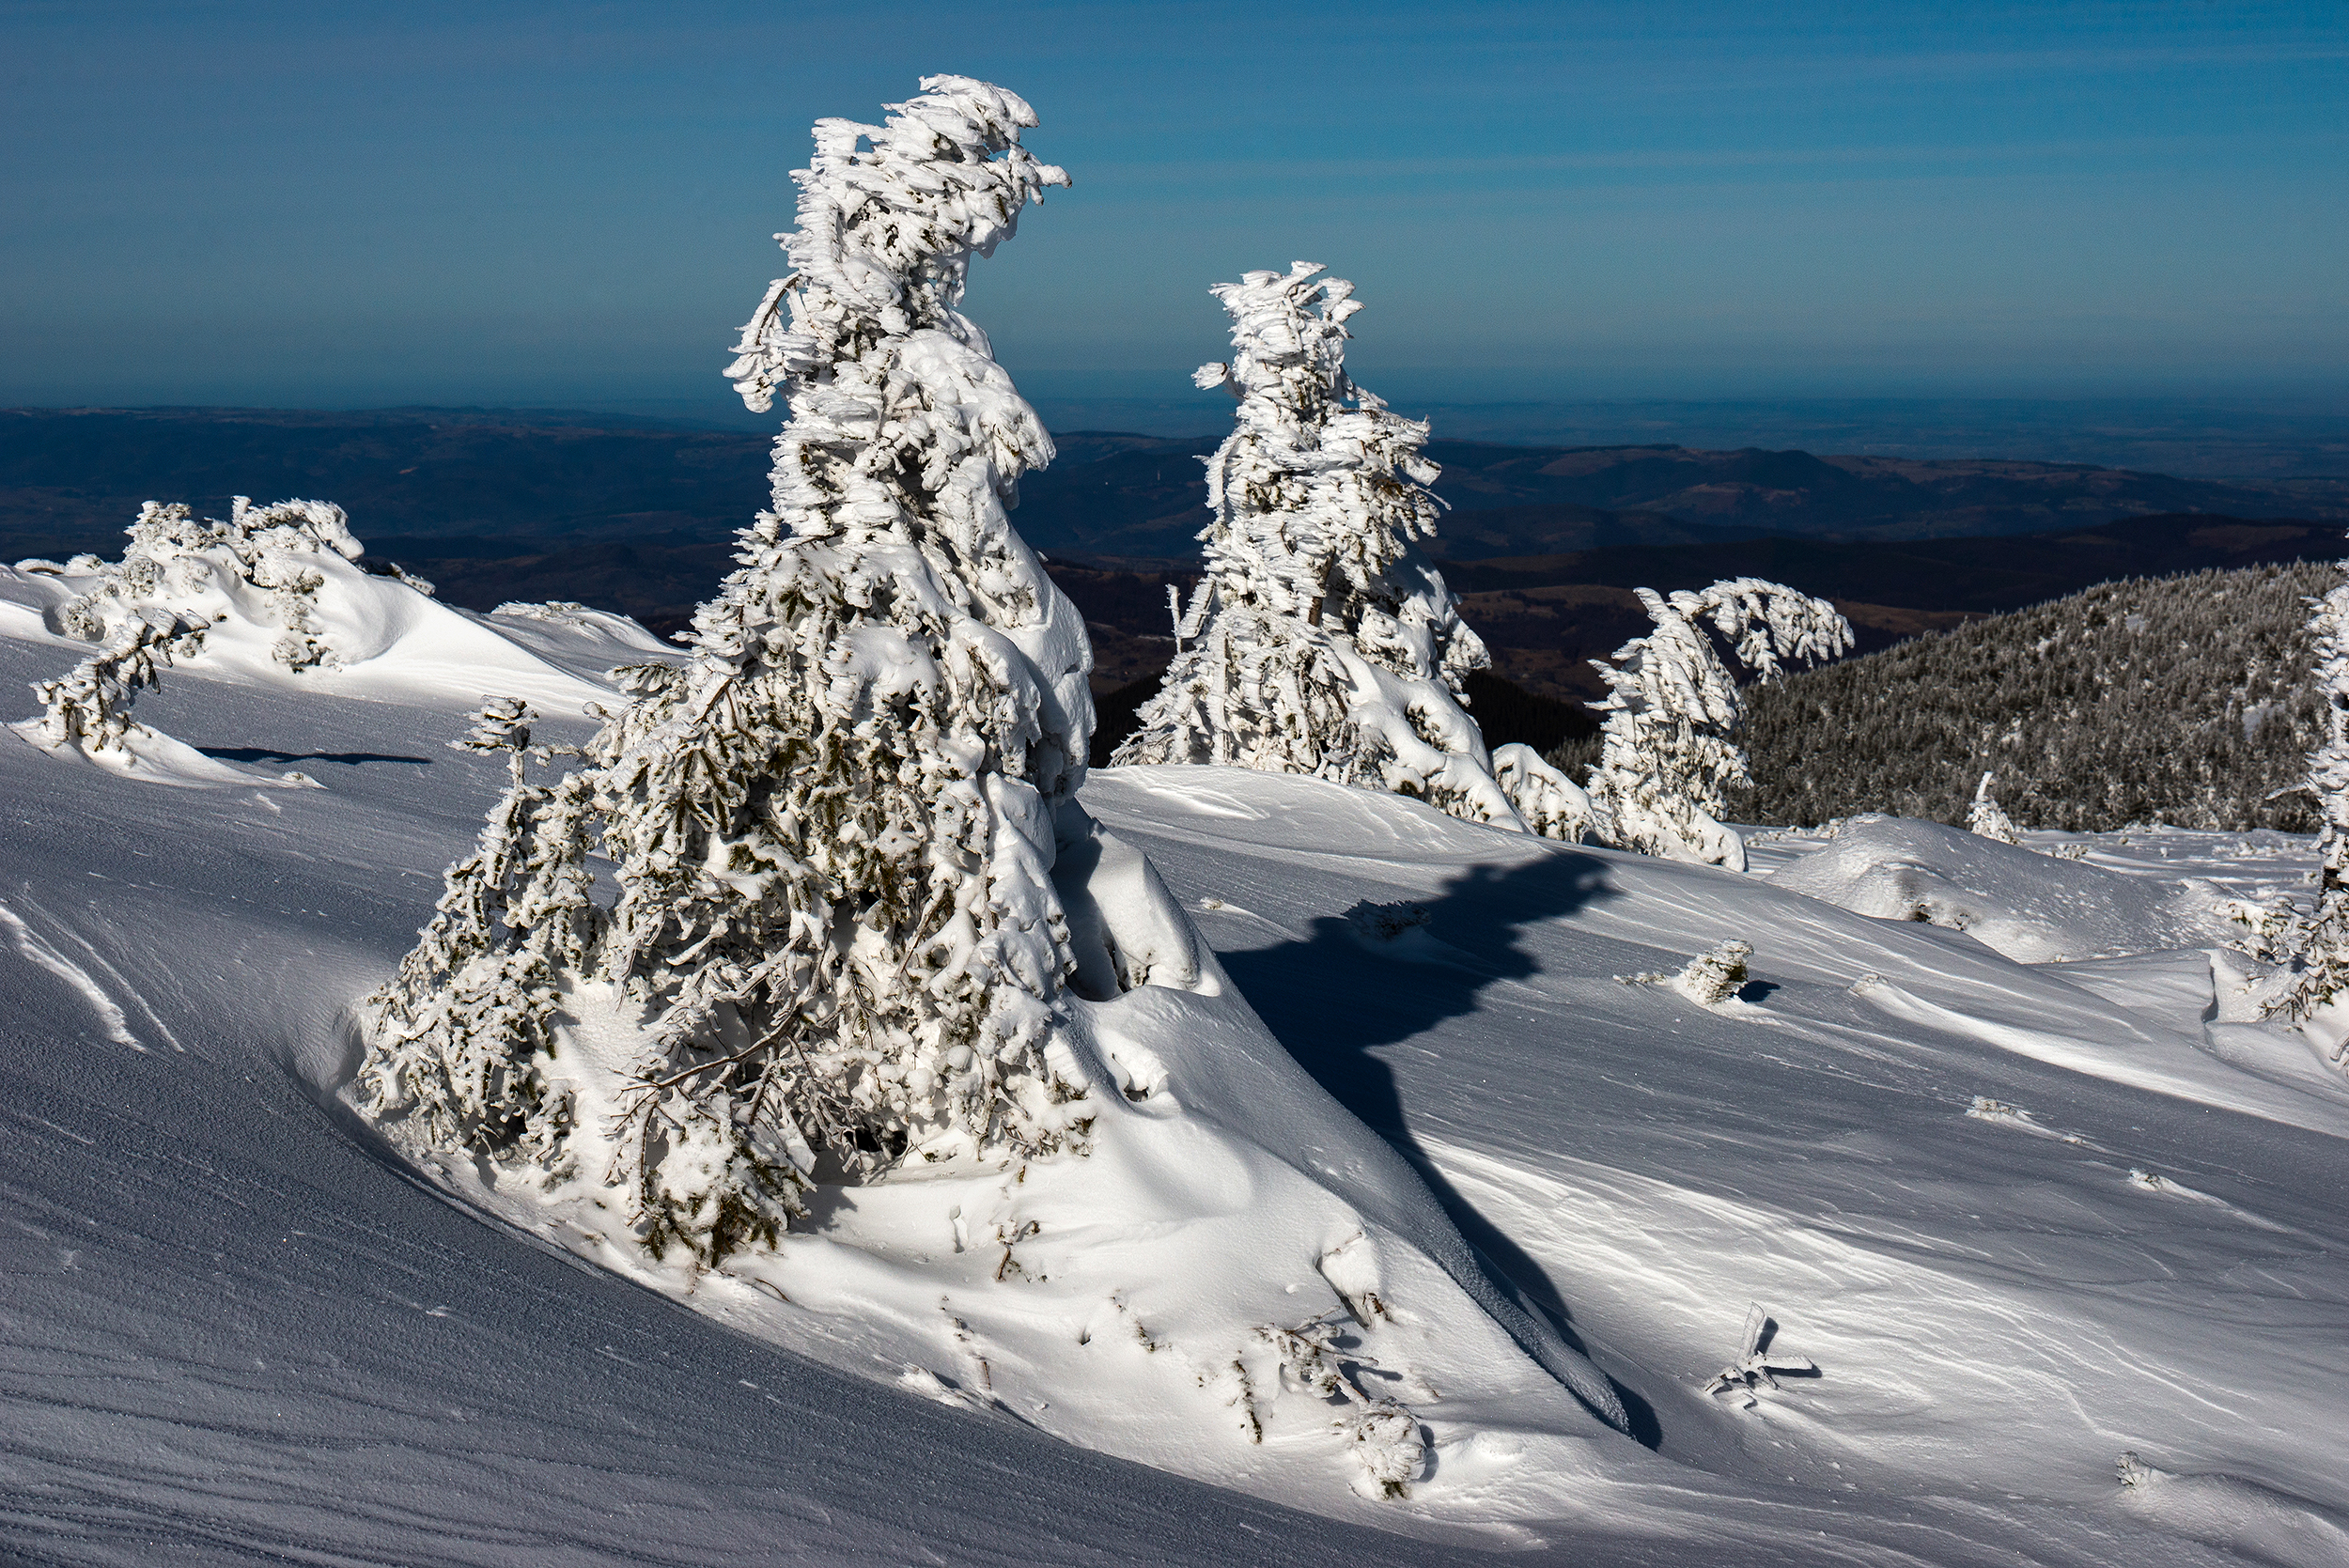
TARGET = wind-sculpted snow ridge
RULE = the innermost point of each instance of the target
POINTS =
(1667, 742)
(271, 596)
(883, 1046)
(2006, 896)
(1322, 640)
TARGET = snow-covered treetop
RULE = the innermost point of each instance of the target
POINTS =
(904, 439)
(1320, 487)
(887, 229)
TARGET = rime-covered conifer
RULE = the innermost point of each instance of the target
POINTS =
(834, 826)
(1667, 745)
(88, 708)
(1321, 640)
(2322, 951)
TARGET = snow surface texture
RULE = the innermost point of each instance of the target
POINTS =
(1321, 639)
(238, 1329)
(1668, 741)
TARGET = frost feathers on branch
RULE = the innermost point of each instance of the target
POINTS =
(1327, 644)
(1667, 752)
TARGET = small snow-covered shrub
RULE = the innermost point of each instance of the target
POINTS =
(1384, 1434)
(1322, 640)
(262, 559)
(180, 576)
(1708, 979)
(90, 708)
(835, 828)
(1667, 745)
(1986, 818)
(1384, 922)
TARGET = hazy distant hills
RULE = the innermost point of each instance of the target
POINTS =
(1545, 543)
(73, 477)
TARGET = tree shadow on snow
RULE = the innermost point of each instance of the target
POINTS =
(1335, 997)
(257, 753)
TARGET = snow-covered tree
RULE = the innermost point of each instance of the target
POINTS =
(835, 826)
(1321, 639)
(2320, 955)
(1987, 818)
(1668, 746)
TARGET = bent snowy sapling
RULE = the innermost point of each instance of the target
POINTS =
(1668, 746)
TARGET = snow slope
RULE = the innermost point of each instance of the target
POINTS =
(2024, 1219)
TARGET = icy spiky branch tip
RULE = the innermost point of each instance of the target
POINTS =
(1755, 1367)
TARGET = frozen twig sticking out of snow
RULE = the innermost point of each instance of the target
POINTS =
(835, 828)
(1667, 750)
(1755, 1367)
(1986, 818)
(1385, 1435)
(1322, 640)
(1709, 979)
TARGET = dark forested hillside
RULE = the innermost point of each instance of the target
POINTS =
(2183, 700)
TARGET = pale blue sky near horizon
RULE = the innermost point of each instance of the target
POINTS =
(355, 204)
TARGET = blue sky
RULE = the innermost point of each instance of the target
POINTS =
(351, 203)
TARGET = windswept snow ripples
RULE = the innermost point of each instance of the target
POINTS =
(233, 1328)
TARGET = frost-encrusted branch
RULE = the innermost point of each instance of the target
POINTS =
(1383, 1433)
(1755, 1367)
(1668, 746)
(1322, 640)
(834, 826)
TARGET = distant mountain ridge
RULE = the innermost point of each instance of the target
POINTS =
(71, 479)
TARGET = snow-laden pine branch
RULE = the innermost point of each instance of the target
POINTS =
(1321, 639)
